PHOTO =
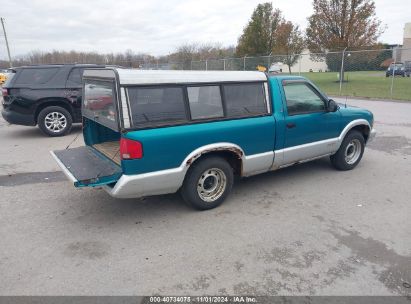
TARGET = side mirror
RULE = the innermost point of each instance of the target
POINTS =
(332, 106)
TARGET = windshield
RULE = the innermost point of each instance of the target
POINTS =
(397, 66)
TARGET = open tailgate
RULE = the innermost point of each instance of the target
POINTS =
(86, 167)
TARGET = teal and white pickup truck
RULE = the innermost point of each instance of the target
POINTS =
(157, 132)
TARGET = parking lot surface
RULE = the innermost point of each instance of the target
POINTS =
(304, 230)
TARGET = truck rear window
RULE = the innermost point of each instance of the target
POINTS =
(99, 102)
(35, 76)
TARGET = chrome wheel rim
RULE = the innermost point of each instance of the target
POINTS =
(352, 151)
(55, 122)
(211, 184)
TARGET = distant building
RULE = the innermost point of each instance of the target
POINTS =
(396, 51)
(406, 45)
(307, 64)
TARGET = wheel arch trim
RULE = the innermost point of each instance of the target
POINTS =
(351, 125)
(170, 180)
(52, 102)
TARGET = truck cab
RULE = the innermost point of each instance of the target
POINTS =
(157, 132)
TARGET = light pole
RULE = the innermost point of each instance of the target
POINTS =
(208, 51)
(392, 79)
(269, 60)
(5, 38)
(342, 69)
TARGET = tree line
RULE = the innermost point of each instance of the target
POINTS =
(335, 25)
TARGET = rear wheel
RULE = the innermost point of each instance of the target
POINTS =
(207, 183)
(350, 152)
(55, 121)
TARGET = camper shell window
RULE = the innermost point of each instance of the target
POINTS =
(100, 102)
(166, 105)
(157, 105)
(205, 102)
(247, 99)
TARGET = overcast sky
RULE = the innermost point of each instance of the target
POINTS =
(152, 26)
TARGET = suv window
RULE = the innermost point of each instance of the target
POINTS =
(159, 105)
(245, 99)
(75, 75)
(302, 99)
(98, 102)
(205, 102)
(35, 76)
(397, 66)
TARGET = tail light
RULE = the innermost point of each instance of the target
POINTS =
(4, 92)
(130, 149)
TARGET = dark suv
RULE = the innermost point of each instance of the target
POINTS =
(398, 68)
(45, 95)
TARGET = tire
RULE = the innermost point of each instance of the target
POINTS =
(212, 176)
(353, 145)
(55, 121)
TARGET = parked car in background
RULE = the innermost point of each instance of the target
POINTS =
(398, 69)
(45, 95)
(261, 68)
(407, 66)
(3, 77)
(157, 132)
(275, 68)
(4, 74)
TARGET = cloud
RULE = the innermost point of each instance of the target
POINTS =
(155, 26)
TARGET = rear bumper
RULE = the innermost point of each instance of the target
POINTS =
(17, 118)
(146, 184)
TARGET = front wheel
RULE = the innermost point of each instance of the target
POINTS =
(207, 183)
(350, 152)
(55, 121)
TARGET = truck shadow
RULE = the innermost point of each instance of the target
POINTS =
(294, 173)
(102, 209)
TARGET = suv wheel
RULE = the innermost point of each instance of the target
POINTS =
(350, 152)
(207, 183)
(55, 121)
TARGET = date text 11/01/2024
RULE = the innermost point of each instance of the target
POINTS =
(203, 299)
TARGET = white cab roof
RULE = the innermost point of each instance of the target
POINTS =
(134, 76)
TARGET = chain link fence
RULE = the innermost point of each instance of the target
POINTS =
(374, 73)
(378, 73)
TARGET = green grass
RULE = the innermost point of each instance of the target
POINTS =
(371, 84)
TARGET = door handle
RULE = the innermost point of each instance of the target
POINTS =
(291, 125)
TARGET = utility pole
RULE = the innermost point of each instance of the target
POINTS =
(5, 38)
(342, 69)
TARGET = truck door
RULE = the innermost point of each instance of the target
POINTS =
(311, 130)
